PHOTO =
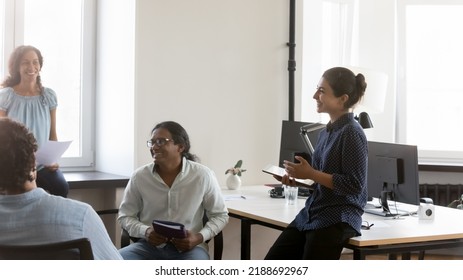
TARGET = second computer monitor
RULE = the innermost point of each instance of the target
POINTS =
(393, 170)
(292, 144)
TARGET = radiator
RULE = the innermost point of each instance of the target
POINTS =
(441, 194)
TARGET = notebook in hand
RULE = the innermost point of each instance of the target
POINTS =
(279, 172)
(169, 229)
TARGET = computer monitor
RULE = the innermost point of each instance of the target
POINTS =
(392, 175)
(292, 143)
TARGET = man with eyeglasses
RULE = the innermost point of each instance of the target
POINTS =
(173, 188)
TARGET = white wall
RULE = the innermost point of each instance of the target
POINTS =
(219, 68)
(115, 126)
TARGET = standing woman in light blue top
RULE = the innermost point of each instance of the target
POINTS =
(25, 99)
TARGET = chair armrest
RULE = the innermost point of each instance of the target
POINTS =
(126, 238)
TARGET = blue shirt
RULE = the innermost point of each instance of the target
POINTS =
(36, 217)
(341, 150)
(32, 111)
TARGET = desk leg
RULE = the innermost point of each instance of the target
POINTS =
(358, 255)
(407, 256)
(246, 239)
(421, 255)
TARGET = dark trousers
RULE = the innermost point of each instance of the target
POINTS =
(320, 244)
(53, 182)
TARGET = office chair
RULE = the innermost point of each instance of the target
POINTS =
(126, 239)
(78, 249)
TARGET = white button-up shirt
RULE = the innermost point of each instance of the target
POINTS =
(195, 191)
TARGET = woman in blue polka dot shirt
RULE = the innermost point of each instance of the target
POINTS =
(333, 212)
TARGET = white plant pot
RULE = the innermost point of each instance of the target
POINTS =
(233, 182)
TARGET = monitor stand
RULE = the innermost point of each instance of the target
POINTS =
(383, 210)
(379, 212)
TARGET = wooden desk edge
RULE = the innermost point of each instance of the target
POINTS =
(405, 240)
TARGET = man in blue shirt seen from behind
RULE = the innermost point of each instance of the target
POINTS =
(28, 214)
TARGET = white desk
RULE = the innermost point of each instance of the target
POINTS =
(257, 204)
(388, 235)
(257, 207)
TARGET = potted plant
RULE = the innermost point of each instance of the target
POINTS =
(234, 180)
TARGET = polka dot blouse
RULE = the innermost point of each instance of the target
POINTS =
(341, 150)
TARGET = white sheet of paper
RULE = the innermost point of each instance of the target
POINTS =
(51, 152)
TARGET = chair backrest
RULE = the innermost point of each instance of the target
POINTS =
(78, 249)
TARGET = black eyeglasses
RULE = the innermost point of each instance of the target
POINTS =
(366, 225)
(158, 142)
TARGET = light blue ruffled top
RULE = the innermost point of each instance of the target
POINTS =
(32, 111)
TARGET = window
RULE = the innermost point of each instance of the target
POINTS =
(333, 46)
(426, 99)
(430, 98)
(337, 32)
(64, 32)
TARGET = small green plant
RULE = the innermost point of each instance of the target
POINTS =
(237, 170)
